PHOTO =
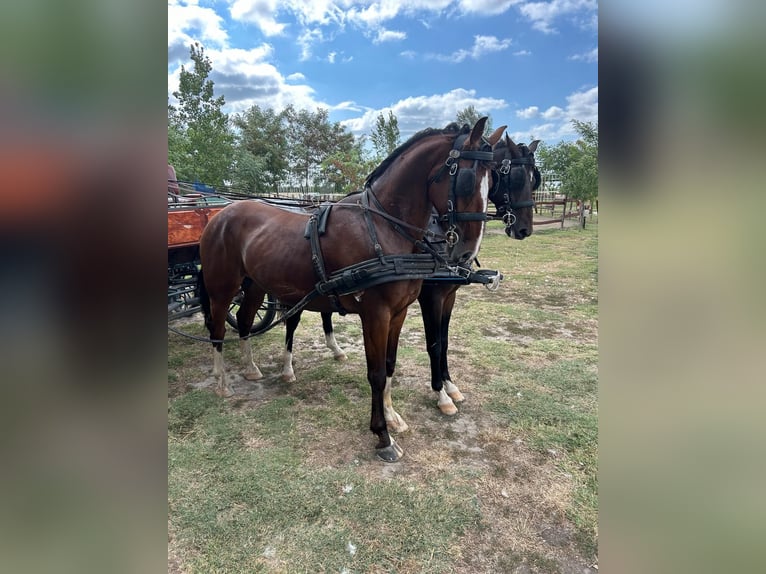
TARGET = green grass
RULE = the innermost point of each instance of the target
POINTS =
(240, 509)
(284, 481)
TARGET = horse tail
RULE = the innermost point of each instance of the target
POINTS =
(204, 299)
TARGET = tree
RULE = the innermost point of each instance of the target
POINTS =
(385, 136)
(470, 116)
(581, 176)
(313, 139)
(262, 149)
(346, 169)
(199, 138)
(576, 163)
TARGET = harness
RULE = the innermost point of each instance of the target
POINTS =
(387, 268)
(462, 184)
(505, 179)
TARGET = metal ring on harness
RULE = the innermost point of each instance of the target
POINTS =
(452, 236)
(509, 219)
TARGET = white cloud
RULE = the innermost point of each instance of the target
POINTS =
(409, 54)
(522, 53)
(247, 78)
(415, 113)
(553, 113)
(307, 39)
(491, 7)
(348, 105)
(262, 13)
(590, 57)
(187, 23)
(543, 14)
(481, 45)
(528, 113)
(388, 36)
(581, 106)
(331, 57)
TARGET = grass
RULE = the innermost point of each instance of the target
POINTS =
(282, 477)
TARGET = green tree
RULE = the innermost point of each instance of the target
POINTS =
(470, 116)
(385, 136)
(313, 138)
(576, 163)
(346, 169)
(199, 138)
(262, 149)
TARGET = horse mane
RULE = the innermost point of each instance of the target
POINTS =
(451, 128)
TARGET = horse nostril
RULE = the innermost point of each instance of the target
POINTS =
(522, 233)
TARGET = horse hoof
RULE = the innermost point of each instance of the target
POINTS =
(342, 357)
(253, 376)
(391, 453)
(448, 409)
(456, 396)
(289, 377)
(225, 392)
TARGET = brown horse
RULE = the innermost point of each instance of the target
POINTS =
(261, 249)
(515, 179)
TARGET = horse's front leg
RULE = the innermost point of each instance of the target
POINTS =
(375, 328)
(394, 421)
(431, 306)
(449, 387)
(329, 338)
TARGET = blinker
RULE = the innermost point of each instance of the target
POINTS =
(466, 180)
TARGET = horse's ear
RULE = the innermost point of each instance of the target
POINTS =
(476, 133)
(496, 135)
(533, 146)
(511, 144)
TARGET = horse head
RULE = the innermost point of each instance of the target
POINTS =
(461, 199)
(515, 179)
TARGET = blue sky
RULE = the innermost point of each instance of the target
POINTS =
(530, 65)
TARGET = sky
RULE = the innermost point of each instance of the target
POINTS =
(532, 66)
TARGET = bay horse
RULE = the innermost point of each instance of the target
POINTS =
(258, 248)
(515, 179)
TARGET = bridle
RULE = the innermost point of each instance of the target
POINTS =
(506, 181)
(462, 184)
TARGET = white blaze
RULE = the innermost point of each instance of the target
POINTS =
(484, 192)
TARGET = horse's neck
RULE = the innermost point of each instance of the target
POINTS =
(407, 202)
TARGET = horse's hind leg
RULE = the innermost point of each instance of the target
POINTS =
(217, 327)
(329, 338)
(251, 302)
(393, 420)
(288, 375)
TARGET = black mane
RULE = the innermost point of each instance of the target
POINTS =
(452, 128)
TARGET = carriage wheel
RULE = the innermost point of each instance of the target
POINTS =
(263, 316)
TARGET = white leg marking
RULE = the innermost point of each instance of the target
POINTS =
(445, 403)
(332, 344)
(221, 389)
(394, 422)
(252, 372)
(453, 391)
(288, 375)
